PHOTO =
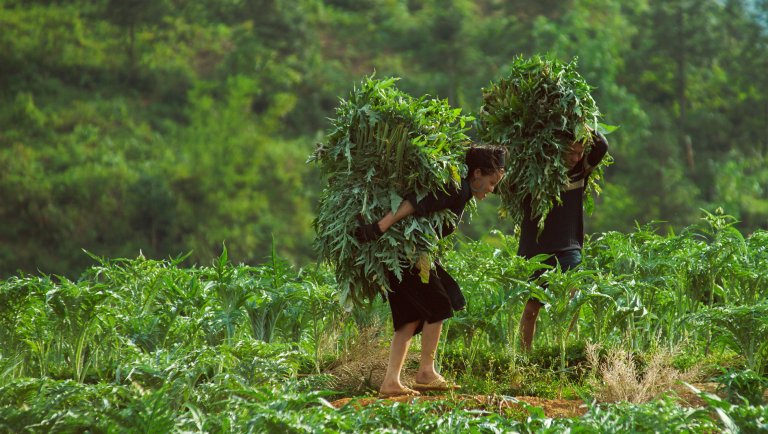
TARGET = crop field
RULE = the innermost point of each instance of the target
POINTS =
(203, 204)
(670, 336)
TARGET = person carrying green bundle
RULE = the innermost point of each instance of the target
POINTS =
(562, 236)
(542, 112)
(417, 306)
(384, 144)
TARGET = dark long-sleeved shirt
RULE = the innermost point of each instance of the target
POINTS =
(564, 225)
(453, 198)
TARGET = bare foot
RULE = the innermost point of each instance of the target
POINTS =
(427, 377)
(402, 391)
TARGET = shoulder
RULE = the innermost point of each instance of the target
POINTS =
(465, 191)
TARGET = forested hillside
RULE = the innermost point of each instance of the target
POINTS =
(171, 126)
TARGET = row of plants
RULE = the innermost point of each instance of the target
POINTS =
(230, 348)
(706, 285)
(225, 405)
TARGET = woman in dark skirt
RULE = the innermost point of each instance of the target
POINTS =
(422, 307)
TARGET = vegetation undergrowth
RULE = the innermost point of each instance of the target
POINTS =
(149, 344)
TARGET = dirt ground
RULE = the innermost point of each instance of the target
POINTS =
(365, 370)
(554, 408)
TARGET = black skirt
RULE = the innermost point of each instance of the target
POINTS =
(412, 300)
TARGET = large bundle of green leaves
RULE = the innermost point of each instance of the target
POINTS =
(536, 112)
(384, 144)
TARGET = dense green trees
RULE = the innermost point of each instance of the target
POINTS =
(170, 126)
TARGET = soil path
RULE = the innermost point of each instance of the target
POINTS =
(552, 407)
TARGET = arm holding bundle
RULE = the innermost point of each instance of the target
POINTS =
(598, 151)
(409, 205)
(374, 231)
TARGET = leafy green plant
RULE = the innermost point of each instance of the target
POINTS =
(231, 287)
(384, 144)
(495, 282)
(152, 300)
(742, 385)
(322, 314)
(620, 305)
(563, 297)
(151, 413)
(275, 287)
(740, 328)
(26, 326)
(662, 416)
(747, 418)
(15, 299)
(74, 310)
(715, 268)
(7, 366)
(537, 111)
(547, 356)
(736, 418)
(146, 342)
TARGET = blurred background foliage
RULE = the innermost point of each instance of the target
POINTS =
(171, 126)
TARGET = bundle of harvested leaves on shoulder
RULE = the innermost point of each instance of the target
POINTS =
(384, 144)
(537, 112)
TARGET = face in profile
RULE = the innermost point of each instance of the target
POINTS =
(574, 154)
(483, 184)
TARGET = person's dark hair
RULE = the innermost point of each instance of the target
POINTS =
(489, 159)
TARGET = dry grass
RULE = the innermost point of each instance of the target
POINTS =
(363, 367)
(618, 377)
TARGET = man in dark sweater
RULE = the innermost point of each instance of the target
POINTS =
(563, 233)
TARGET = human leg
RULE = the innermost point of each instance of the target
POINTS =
(397, 352)
(532, 308)
(567, 260)
(528, 323)
(416, 308)
(430, 337)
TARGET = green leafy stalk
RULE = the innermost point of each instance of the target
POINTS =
(384, 144)
(537, 112)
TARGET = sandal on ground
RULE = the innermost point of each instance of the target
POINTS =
(436, 384)
(407, 391)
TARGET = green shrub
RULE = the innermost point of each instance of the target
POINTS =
(740, 386)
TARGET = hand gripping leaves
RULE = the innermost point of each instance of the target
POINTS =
(537, 112)
(382, 145)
